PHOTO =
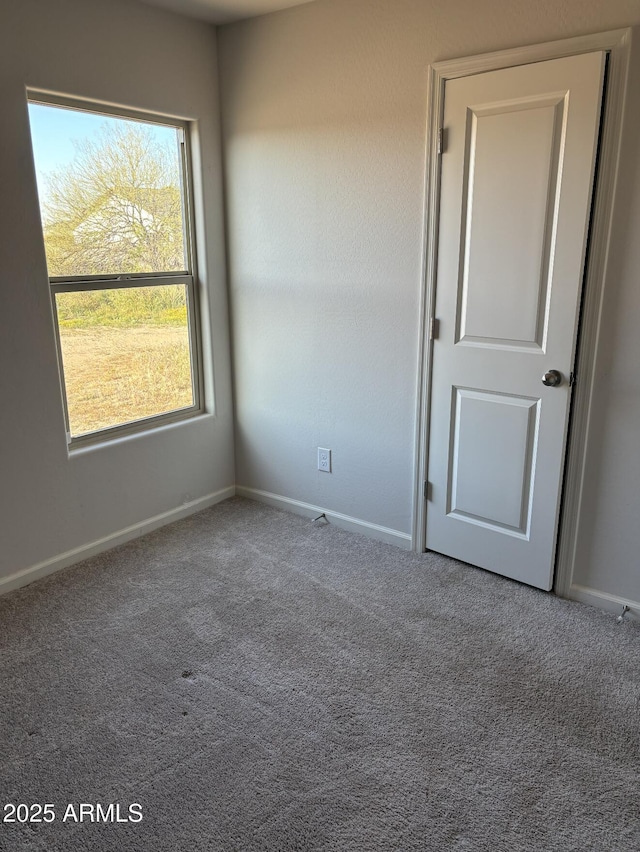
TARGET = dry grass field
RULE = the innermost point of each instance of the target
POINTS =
(117, 375)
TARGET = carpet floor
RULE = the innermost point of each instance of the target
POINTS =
(254, 681)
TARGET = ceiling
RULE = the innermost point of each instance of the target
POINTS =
(224, 11)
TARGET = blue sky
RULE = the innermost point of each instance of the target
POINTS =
(54, 129)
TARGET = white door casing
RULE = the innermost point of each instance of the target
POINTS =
(515, 196)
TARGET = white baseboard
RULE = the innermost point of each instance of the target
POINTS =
(603, 600)
(583, 594)
(85, 551)
(375, 531)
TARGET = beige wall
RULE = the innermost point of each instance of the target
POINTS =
(50, 503)
(324, 113)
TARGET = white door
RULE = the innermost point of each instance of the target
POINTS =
(516, 187)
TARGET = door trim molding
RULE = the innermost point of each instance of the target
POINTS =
(617, 44)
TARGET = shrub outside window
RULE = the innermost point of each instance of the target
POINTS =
(115, 202)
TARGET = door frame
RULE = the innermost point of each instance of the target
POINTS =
(616, 44)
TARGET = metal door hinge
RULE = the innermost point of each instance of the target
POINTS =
(427, 490)
(434, 328)
(442, 141)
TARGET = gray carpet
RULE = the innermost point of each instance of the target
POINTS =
(257, 682)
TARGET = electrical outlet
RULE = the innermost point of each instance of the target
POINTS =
(324, 459)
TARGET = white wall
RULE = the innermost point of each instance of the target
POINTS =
(324, 113)
(50, 503)
(608, 557)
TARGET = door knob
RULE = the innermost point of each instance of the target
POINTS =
(552, 378)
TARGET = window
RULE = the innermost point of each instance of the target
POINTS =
(114, 200)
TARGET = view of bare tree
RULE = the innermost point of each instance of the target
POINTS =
(116, 208)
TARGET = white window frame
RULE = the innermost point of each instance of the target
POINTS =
(187, 277)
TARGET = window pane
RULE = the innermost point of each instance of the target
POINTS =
(110, 193)
(125, 354)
